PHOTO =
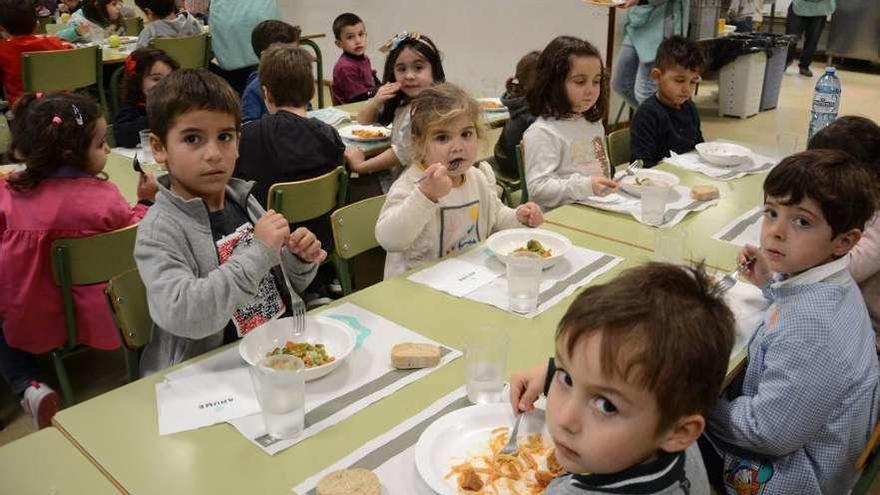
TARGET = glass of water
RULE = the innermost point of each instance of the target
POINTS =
(146, 147)
(281, 391)
(786, 144)
(670, 246)
(485, 362)
(654, 204)
(523, 281)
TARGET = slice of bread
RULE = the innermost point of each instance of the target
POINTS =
(350, 482)
(703, 192)
(407, 356)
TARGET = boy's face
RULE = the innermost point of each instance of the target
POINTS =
(600, 424)
(413, 72)
(795, 238)
(676, 85)
(353, 39)
(454, 142)
(583, 83)
(199, 152)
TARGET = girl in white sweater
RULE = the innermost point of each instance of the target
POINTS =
(565, 159)
(444, 202)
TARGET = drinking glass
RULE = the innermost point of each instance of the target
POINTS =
(523, 281)
(281, 391)
(670, 246)
(654, 204)
(485, 361)
(146, 147)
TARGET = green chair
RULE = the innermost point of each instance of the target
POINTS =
(127, 298)
(5, 135)
(86, 261)
(507, 183)
(308, 199)
(868, 463)
(64, 70)
(618, 148)
(354, 233)
(133, 25)
(319, 62)
(116, 91)
(191, 52)
(521, 167)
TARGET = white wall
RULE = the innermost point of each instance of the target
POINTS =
(480, 40)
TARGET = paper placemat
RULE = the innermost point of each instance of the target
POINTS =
(204, 399)
(692, 161)
(330, 115)
(744, 229)
(748, 305)
(365, 377)
(392, 455)
(479, 276)
(679, 205)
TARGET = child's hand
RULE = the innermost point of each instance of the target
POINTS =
(272, 229)
(436, 182)
(603, 185)
(306, 246)
(757, 272)
(147, 186)
(386, 92)
(83, 28)
(354, 157)
(530, 215)
(525, 387)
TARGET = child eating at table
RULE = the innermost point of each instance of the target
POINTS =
(669, 121)
(565, 159)
(860, 137)
(20, 21)
(809, 396)
(62, 193)
(144, 68)
(96, 19)
(413, 65)
(263, 36)
(631, 382)
(444, 202)
(163, 21)
(353, 76)
(520, 117)
(207, 251)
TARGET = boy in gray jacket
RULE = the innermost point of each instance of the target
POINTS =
(208, 253)
(165, 21)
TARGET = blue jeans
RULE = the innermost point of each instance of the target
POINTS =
(632, 79)
(18, 367)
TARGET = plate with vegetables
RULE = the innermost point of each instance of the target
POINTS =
(323, 347)
(550, 246)
(633, 184)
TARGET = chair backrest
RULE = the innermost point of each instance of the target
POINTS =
(868, 463)
(133, 25)
(618, 148)
(127, 297)
(116, 91)
(521, 168)
(319, 69)
(307, 199)
(61, 70)
(354, 227)
(191, 52)
(53, 28)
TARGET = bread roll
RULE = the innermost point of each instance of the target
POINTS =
(704, 192)
(350, 482)
(409, 356)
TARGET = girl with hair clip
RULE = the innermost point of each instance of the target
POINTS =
(95, 18)
(62, 193)
(144, 68)
(413, 65)
(565, 159)
(444, 202)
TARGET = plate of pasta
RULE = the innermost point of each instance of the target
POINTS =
(491, 105)
(365, 133)
(550, 246)
(459, 454)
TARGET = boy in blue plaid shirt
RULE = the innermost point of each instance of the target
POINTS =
(809, 397)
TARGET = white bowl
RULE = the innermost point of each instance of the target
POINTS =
(658, 178)
(724, 154)
(338, 339)
(505, 242)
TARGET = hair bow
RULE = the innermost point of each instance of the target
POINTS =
(130, 65)
(397, 39)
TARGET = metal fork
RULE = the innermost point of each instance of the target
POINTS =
(511, 447)
(297, 307)
(729, 280)
(631, 169)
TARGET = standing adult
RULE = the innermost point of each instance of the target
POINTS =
(648, 22)
(232, 22)
(807, 17)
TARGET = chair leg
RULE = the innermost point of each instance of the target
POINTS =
(131, 365)
(343, 272)
(63, 379)
(506, 197)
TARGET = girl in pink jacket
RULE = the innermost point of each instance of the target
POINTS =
(62, 193)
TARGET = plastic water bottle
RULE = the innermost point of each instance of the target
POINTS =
(826, 101)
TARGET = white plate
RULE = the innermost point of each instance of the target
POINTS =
(338, 339)
(453, 438)
(346, 132)
(505, 242)
(724, 154)
(658, 177)
(496, 101)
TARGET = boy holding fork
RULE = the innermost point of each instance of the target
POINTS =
(208, 253)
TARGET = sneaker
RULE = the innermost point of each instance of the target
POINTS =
(805, 71)
(317, 302)
(335, 287)
(41, 402)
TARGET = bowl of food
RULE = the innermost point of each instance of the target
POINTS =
(491, 105)
(324, 346)
(724, 154)
(365, 133)
(548, 245)
(633, 184)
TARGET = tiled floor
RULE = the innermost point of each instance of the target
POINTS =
(860, 96)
